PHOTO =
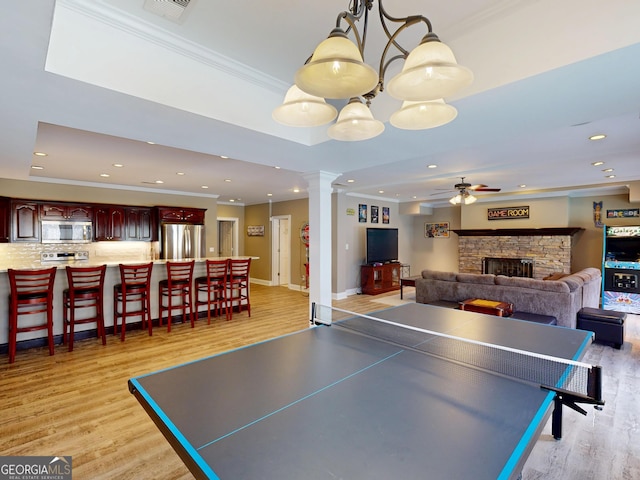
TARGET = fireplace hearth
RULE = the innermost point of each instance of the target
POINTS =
(510, 267)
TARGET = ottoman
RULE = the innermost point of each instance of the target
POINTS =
(608, 325)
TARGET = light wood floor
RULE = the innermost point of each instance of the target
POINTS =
(78, 403)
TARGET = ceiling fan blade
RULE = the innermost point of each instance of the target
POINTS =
(477, 187)
(482, 189)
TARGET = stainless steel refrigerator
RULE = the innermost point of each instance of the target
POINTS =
(179, 241)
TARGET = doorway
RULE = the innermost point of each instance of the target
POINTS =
(227, 237)
(281, 250)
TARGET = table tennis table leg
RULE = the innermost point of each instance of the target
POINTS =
(556, 419)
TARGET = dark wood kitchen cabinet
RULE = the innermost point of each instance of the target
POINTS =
(5, 219)
(140, 224)
(66, 211)
(183, 215)
(109, 223)
(25, 221)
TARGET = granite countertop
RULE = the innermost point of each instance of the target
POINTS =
(95, 262)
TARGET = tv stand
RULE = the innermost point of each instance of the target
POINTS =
(377, 279)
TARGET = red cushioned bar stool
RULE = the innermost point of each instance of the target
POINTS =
(177, 287)
(31, 293)
(239, 284)
(134, 287)
(214, 285)
(86, 290)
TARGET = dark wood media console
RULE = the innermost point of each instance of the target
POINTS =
(375, 279)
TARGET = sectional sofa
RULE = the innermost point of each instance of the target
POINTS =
(561, 298)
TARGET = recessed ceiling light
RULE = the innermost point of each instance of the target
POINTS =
(232, 200)
(597, 164)
(37, 167)
(380, 191)
(118, 165)
(158, 181)
(610, 176)
(204, 186)
(608, 170)
(522, 185)
(351, 180)
(414, 197)
(432, 166)
(180, 173)
(228, 180)
(223, 156)
(269, 194)
(105, 175)
(276, 167)
(599, 136)
(40, 154)
(151, 143)
(296, 190)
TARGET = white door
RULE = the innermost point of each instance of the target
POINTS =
(281, 250)
(227, 237)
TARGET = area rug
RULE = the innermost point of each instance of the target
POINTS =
(409, 296)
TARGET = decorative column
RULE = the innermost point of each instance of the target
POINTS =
(319, 188)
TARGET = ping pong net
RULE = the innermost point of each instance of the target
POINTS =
(573, 382)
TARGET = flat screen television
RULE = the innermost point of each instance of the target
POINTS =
(382, 245)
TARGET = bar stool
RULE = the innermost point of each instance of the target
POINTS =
(178, 284)
(31, 292)
(135, 286)
(239, 284)
(86, 290)
(214, 285)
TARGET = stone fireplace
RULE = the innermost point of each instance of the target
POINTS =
(548, 249)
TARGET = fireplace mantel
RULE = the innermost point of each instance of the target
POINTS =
(525, 232)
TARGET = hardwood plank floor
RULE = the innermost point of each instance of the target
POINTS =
(78, 403)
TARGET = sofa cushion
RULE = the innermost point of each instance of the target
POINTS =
(573, 281)
(545, 285)
(478, 278)
(436, 275)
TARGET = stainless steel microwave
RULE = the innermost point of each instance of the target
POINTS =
(55, 231)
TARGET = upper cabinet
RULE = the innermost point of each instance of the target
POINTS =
(5, 219)
(109, 223)
(25, 221)
(65, 211)
(140, 224)
(182, 215)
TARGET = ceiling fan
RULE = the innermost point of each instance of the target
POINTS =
(465, 189)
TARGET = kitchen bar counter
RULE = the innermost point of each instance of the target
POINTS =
(112, 277)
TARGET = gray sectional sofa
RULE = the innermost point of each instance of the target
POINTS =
(561, 298)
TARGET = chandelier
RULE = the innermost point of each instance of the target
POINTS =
(336, 70)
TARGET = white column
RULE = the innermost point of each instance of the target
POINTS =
(320, 236)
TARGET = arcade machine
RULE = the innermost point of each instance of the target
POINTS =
(621, 269)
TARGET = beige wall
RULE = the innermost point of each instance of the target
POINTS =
(543, 212)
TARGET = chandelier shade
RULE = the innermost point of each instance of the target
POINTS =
(430, 72)
(336, 70)
(300, 109)
(355, 123)
(423, 115)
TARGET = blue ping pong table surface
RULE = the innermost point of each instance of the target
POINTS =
(327, 403)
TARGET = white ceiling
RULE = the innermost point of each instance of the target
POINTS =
(90, 82)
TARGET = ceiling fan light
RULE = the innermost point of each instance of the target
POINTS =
(423, 115)
(300, 109)
(456, 200)
(429, 72)
(355, 123)
(336, 70)
(469, 199)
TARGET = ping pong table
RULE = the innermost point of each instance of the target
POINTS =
(330, 402)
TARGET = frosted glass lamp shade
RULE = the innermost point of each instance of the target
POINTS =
(429, 72)
(423, 115)
(355, 123)
(300, 109)
(456, 200)
(336, 70)
(469, 199)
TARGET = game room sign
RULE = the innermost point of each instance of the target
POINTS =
(507, 213)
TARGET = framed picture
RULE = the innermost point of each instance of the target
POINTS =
(374, 214)
(436, 230)
(362, 213)
(255, 230)
(385, 214)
